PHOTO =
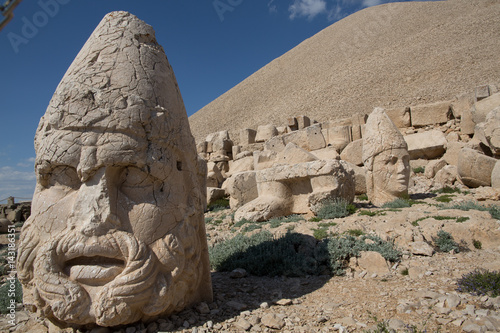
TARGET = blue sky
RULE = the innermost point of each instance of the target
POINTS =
(212, 45)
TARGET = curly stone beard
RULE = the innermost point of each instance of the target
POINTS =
(153, 281)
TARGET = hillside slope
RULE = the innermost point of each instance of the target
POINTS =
(390, 55)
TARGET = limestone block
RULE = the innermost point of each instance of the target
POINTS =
(359, 179)
(242, 188)
(275, 144)
(264, 159)
(421, 248)
(303, 122)
(293, 154)
(247, 136)
(339, 137)
(117, 231)
(446, 176)
(297, 189)
(467, 123)
(495, 176)
(243, 154)
(452, 151)
(488, 132)
(428, 145)
(460, 105)
(482, 92)
(201, 147)
(235, 151)
(485, 106)
(356, 132)
(431, 114)
(265, 132)
(373, 262)
(353, 152)
(292, 123)
(241, 165)
(327, 153)
(475, 169)
(282, 130)
(220, 142)
(401, 117)
(359, 119)
(433, 167)
(214, 194)
(310, 138)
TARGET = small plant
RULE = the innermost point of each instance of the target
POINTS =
(419, 169)
(208, 220)
(251, 227)
(445, 198)
(336, 208)
(477, 244)
(398, 203)
(241, 223)
(218, 205)
(462, 219)
(367, 213)
(315, 219)
(320, 233)
(363, 197)
(445, 242)
(327, 225)
(467, 205)
(494, 211)
(442, 218)
(447, 190)
(355, 232)
(405, 272)
(480, 282)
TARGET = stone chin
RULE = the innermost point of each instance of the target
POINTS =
(108, 280)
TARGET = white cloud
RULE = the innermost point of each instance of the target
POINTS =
(307, 8)
(16, 183)
(272, 7)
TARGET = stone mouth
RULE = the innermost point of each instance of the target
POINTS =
(93, 270)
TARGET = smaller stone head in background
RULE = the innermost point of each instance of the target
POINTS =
(386, 159)
(117, 231)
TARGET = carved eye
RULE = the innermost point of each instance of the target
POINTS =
(137, 185)
(62, 177)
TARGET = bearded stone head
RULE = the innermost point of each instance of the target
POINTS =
(386, 159)
(117, 232)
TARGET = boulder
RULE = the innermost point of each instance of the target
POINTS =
(485, 106)
(428, 145)
(433, 167)
(401, 117)
(353, 153)
(467, 123)
(242, 188)
(241, 165)
(431, 114)
(421, 248)
(446, 176)
(327, 153)
(303, 122)
(293, 154)
(4, 225)
(265, 132)
(264, 159)
(495, 176)
(214, 175)
(488, 132)
(460, 105)
(214, 194)
(220, 142)
(359, 179)
(338, 137)
(452, 151)
(482, 92)
(474, 168)
(247, 136)
(310, 138)
(373, 262)
(298, 189)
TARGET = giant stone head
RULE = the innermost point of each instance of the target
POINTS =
(117, 232)
(386, 159)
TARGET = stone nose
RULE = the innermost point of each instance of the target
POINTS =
(94, 209)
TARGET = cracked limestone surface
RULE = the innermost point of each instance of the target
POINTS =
(116, 233)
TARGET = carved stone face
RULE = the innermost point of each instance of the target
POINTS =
(117, 232)
(391, 174)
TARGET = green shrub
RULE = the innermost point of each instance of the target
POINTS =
(315, 219)
(327, 225)
(355, 232)
(363, 197)
(494, 211)
(208, 220)
(445, 242)
(445, 198)
(218, 205)
(398, 203)
(342, 248)
(320, 233)
(477, 244)
(442, 218)
(242, 222)
(5, 298)
(251, 227)
(480, 282)
(405, 272)
(462, 219)
(336, 208)
(419, 170)
(467, 205)
(367, 213)
(447, 190)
